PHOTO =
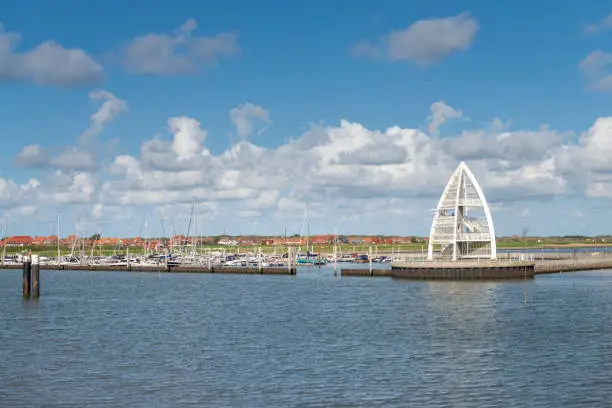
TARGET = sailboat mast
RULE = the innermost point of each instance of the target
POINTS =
(307, 229)
(59, 256)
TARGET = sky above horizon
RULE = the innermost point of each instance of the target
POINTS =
(118, 115)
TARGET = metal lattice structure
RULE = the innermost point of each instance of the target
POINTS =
(462, 226)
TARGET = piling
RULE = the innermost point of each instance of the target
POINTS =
(209, 262)
(291, 261)
(27, 277)
(370, 259)
(35, 276)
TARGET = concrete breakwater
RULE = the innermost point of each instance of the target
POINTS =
(451, 271)
(572, 264)
(500, 269)
(166, 269)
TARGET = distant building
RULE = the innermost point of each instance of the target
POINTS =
(227, 242)
(18, 241)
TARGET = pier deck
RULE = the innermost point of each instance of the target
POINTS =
(162, 268)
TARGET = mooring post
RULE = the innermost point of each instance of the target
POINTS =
(35, 275)
(27, 276)
(291, 260)
(370, 259)
(209, 261)
(166, 258)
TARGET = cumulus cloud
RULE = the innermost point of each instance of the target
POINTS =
(244, 116)
(596, 67)
(48, 63)
(109, 110)
(181, 52)
(342, 170)
(440, 113)
(599, 26)
(81, 158)
(14, 195)
(35, 156)
(69, 188)
(346, 161)
(188, 137)
(596, 62)
(423, 42)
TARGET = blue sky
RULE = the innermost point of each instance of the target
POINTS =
(517, 61)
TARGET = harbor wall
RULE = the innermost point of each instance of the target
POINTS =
(506, 271)
(486, 269)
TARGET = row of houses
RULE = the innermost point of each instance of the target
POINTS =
(27, 241)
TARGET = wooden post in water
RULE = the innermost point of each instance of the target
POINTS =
(335, 258)
(27, 276)
(35, 276)
(291, 260)
(209, 261)
(370, 259)
(259, 260)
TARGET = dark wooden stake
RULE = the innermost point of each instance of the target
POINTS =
(36, 278)
(27, 277)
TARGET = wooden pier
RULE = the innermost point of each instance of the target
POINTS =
(364, 272)
(275, 270)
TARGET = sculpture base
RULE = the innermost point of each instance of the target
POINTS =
(464, 270)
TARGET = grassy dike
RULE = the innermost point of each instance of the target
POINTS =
(503, 243)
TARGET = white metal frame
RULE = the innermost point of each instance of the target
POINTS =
(450, 220)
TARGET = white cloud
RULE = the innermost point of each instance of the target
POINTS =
(74, 188)
(440, 113)
(244, 116)
(80, 158)
(179, 53)
(347, 161)
(73, 158)
(109, 110)
(598, 27)
(346, 172)
(188, 137)
(48, 63)
(595, 62)
(424, 42)
(15, 195)
(603, 84)
(596, 66)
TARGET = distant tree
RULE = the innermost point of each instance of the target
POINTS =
(95, 237)
(343, 239)
(295, 236)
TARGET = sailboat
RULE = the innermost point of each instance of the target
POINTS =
(308, 258)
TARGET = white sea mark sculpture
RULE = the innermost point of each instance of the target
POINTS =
(462, 226)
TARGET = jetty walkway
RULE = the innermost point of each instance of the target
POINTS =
(518, 267)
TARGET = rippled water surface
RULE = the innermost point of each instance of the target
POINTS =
(97, 339)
